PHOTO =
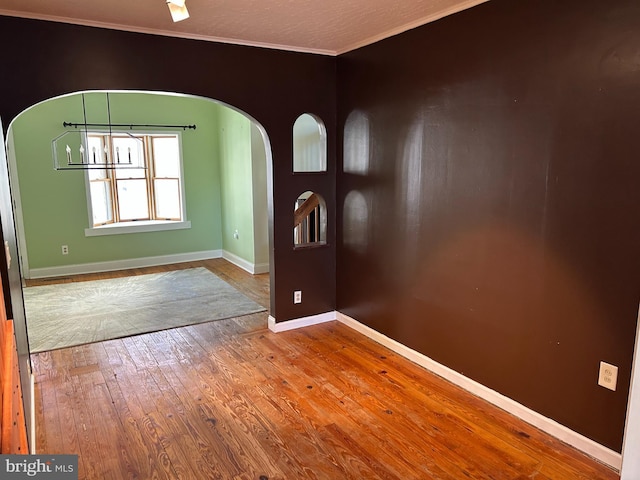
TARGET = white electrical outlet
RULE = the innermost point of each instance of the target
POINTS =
(236, 235)
(65, 249)
(297, 296)
(608, 376)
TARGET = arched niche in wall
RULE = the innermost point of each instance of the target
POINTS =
(309, 144)
(309, 220)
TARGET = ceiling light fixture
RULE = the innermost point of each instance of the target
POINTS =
(178, 10)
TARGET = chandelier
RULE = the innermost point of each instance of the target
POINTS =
(102, 145)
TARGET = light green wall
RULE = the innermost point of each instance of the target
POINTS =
(54, 203)
(237, 183)
(260, 201)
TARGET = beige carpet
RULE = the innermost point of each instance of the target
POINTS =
(68, 314)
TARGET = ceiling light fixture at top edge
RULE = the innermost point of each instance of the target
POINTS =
(178, 10)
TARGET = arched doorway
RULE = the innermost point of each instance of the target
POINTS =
(215, 152)
(69, 202)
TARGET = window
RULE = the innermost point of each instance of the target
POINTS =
(144, 184)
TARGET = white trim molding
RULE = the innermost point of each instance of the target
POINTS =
(586, 445)
(135, 227)
(252, 268)
(630, 459)
(261, 268)
(64, 270)
(165, 33)
(457, 7)
(300, 322)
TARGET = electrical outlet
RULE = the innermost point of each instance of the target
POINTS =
(65, 249)
(297, 296)
(608, 376)
(236, 235)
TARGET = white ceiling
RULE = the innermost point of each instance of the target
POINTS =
(328, 27)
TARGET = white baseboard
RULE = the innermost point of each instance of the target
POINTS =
(261, 268)
(252, 268)
(300, 322)
(122, 264)
(580, 442)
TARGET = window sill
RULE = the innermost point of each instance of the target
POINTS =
(309, 246)
(135, 227)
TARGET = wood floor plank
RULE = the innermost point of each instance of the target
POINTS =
(171, 416)
(41, 438)
(64, 401)
(232, 400)
(88, 452)
(131, 465)
(172, 445)
(149, 457)
(380, 423)
(301, 410)
(529, 439)
(234, 415)
(180, 375)
(444, 424)
(105, 422)
(51, 427)
(273, 441)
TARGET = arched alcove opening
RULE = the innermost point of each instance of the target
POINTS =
(309, 144)
(309, 220)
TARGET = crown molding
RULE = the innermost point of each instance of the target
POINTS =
(165, 33)
(411, 25)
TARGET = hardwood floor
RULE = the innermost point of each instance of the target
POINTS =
(230, 400)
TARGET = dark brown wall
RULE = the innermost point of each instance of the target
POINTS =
(488, 199)
(42, 59)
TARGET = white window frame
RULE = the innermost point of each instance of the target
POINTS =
(141, 225)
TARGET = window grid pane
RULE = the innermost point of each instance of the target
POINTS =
(167, 198)
(129, 151)
(101, 205)
(96, 155)
(166, 156)
(133, 200)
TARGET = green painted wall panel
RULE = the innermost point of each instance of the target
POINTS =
(260, 201)
(237, 184)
